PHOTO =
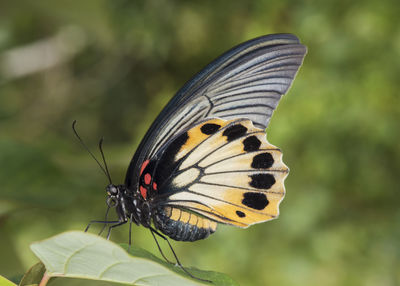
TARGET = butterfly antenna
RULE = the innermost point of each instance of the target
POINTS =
(87, 149)
(104, 159)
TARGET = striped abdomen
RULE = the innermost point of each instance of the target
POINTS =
(183, 225)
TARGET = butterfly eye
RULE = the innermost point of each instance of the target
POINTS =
(112, 190)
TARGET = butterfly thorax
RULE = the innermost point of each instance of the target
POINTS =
(129, 205)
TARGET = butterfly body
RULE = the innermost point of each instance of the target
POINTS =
(205, 159)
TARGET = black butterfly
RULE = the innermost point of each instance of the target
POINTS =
(205, 159)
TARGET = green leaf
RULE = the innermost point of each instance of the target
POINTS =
(34, 275)
(83, 255)
(217, 278)
(6, 282)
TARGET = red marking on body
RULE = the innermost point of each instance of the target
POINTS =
(144, 165)
(147, 179)
(143, 191)
(155, 186)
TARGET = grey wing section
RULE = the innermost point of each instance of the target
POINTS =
(255, 83)
(245, 82)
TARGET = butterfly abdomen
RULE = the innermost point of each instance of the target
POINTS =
(183, 225)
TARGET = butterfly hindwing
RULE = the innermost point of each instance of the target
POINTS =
(224, 170)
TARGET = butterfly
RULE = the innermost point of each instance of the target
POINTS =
(205, 159)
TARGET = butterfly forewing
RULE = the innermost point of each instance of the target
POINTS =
(245, 82)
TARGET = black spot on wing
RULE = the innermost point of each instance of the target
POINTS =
(210, 128)
(256, 201)
(262, 181)
(262, 161)
(240, 214)
(235, 132)
(251, 143)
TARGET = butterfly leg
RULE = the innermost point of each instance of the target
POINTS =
(130, 233)
(115, 225)
(153, 231)
(105, 219)
(100, 221)
(159, 248)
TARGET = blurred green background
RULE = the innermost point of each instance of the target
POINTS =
(113, 65)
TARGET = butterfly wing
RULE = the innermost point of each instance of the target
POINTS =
(245, 82)
(224, 170)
